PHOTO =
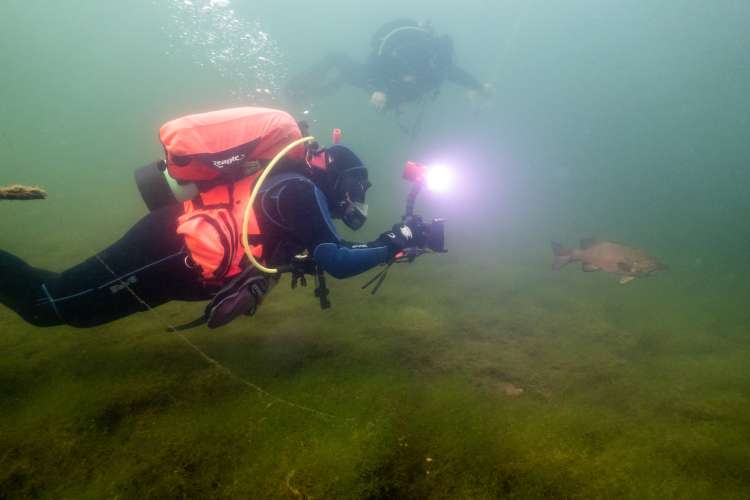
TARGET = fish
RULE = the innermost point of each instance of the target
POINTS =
(628, 262)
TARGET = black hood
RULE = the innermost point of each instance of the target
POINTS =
(345, 174)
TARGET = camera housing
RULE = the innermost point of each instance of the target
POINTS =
(435, 233)
(429, 235)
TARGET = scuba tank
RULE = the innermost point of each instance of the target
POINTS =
(158, 189)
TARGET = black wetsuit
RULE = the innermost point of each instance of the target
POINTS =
(151, 264)
(407, 63)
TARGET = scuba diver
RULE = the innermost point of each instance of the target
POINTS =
(237, 217)
(408, 63)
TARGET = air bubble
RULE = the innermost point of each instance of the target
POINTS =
(232, 47)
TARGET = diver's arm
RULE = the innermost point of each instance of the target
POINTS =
(306, 211)
(376, 82)
(392, 82)
(341, 261)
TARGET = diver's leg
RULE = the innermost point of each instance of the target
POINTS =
(19, 287)
(145, 268)
(326, 76)
(348, 71)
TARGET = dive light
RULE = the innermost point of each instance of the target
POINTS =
(436, 178)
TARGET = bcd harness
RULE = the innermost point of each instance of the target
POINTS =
(224, 153)
(209, 227)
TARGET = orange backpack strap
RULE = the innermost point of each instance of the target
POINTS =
(209, 241)
(211, 226)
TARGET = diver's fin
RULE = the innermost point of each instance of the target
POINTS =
(587, 243)
(626, 279)
(589, 268)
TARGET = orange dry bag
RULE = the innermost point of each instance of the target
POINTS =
(223, 152)
(226, 143)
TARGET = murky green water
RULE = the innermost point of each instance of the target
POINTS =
(480, 373)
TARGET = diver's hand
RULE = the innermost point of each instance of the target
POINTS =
(378, 100)
(400, 237)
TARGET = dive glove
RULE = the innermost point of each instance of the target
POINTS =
(402, 236)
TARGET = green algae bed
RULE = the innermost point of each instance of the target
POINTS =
(479, 374)
(521, 383)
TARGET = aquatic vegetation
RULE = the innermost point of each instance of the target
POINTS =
(478, 374)
(18, 192)
(428, 409)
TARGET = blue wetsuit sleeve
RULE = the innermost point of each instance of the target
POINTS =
(306, 210)
(343, 262)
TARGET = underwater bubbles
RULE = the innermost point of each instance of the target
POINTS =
(236, 49)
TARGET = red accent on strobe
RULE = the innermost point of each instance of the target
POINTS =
(414, 172)
(336, 136)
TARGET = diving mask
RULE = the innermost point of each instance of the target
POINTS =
(355, 214)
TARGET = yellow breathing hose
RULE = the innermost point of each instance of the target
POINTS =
(249, 206)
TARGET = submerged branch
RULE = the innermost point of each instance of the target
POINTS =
(18, 192)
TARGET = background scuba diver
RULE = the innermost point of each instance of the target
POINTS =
(408, 62)
(192, 250)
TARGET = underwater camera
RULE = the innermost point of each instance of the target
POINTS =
(429, 236)
(435, 178)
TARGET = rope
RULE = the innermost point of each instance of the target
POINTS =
(214, 362)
